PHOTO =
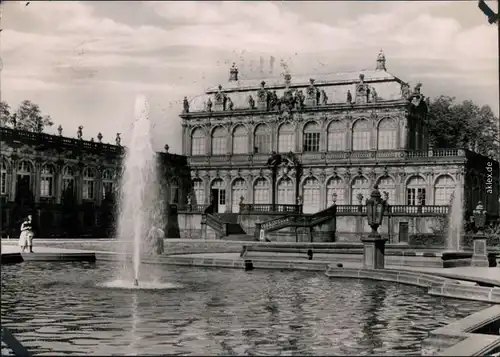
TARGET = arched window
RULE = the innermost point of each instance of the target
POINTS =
(443, 189)
(198, 191)
(286, 192)
(415, 190)
(174, 190)
(286, 138)
(24, 173)
(335, 186)
(311, 194)
(360, 185)
(24, 168)
(198, 141)
(3, 178)
(240, 140)
(262, 139)
(108, 182)
(361, 135)
(336, 136)
(68, 179)
(238, 190)
(387, 184)
(312, 134)
(387, 134)
(88, 183)
(219, 141)
(261, 192)
(47, 181)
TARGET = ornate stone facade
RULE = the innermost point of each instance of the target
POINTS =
(345, 146)
(68, 184)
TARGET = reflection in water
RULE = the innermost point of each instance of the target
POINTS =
(135, 322)
(373, 322)
(217, 312)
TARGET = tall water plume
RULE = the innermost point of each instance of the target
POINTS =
(455, 220)
(140, 206)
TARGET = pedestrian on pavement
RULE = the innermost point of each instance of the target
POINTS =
(26, 237)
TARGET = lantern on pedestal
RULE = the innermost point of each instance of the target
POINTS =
(480, 249)
(374, 244)
(375, 209)
(479, 217)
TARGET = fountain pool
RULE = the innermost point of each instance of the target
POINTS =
(61, 308)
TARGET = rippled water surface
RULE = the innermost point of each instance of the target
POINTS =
(61, 309)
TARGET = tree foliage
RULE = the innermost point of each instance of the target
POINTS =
(5, 116)
(463, 125)
(28, 116)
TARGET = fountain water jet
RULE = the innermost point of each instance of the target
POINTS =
(455, 221)
(140, 204)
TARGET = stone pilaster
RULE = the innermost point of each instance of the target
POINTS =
(59, 181)
(208, 191)
(98, 185)
(37, 177)
(79, 184)
(274, 136)
(13, 179)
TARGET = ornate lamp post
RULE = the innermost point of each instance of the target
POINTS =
(480, 252)
(374, 244)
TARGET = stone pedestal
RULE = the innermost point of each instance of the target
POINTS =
(203, 227)
(256, 234)
(374, 251)
(480, 251)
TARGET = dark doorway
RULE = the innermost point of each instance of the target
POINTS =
(403, 232)
(215, 200)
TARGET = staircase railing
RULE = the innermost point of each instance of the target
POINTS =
(272, 224)
(216, 224)
(300, 221)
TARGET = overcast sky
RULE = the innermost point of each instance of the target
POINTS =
(85, 62)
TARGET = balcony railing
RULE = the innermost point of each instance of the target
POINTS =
(198, 208)
(328, 157)
(340, 210)
(43, 138)
(269, 208)
(396, 210)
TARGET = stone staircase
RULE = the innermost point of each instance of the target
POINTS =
(234, 230)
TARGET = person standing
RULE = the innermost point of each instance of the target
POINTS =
(156, 236)
(26, 237)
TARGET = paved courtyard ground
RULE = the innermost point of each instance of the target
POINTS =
(472, 273)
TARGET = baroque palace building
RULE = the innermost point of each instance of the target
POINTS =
(69, 184)
(348, 131)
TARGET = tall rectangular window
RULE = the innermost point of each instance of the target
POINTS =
(219, 146)
(286, 138)
(198, 146)
(361, 140)
(199, 192)
(336, 141)
(107, 189)
(413, 195)
(88, 189)
(311, 141)
(46, 186)
(387, 140)
(3, 183)
(262, 143)
(240, 140)
(240, 145)
(286, 142)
